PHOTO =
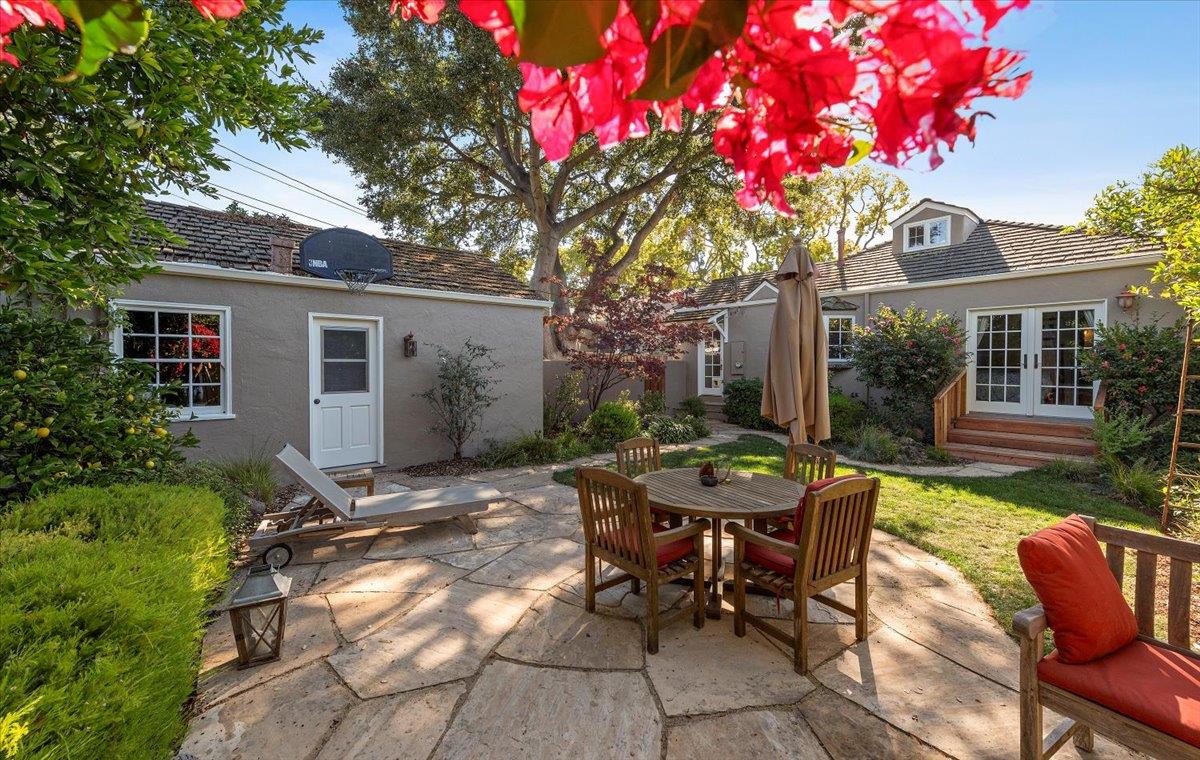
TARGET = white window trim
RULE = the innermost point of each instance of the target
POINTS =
(925, 224)
(853, 323)
(181, 414)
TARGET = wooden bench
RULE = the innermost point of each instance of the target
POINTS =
(1085, 716)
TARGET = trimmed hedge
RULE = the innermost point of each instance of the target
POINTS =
(743, 400)
(103, 593)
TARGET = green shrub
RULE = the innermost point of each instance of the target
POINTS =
(253, 475)
(876, 444)
(846, 416)
(1139, 366)
(613, 421)
(938, 455)
(208, 476)
(652, 404)
(1123, 435)
(561, 406)
(1071, 470)
(461, 392)
(534, 448)
(699, 425)
(666, 429)
(743, 400)
(1138, 482)
(911, 355)
(71, 413)
(692, 406)
(103, 593)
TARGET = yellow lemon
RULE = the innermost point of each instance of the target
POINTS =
(160, 432)
(48, 420)
(150, 464)
(20, 374)
(42, 432)
(19, 426)
(145, 420)
(129, 397)
(130, 430)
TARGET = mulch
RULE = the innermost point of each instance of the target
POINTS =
(454, 467)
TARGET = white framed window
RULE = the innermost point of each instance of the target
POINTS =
(839, 328)
(187, 345)
(930, 233)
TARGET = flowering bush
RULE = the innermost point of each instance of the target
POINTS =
(1139, 366)
(71, 412)
(911, 355)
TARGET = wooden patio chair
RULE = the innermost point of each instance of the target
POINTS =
(805, 463)
(618, 530)
(830, 547)
(637, 456)
(1146, 694)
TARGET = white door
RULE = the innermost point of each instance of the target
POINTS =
(1026, 360)
(1062, 332)
(712, 363)
(344, 382)
(998, 381)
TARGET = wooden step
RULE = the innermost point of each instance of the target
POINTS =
(714, 408)
(1009, 456)
(1029, 425)
(1005, 439)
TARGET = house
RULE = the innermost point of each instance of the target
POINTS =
(268, 353)
(1028, 294)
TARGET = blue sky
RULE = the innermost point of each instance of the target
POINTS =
(1115, 84)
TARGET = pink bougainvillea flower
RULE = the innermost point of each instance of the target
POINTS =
(427, 10)
(796, 92)
(214, 9)
(13, 13)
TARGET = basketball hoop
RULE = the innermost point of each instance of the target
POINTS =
(357, 280)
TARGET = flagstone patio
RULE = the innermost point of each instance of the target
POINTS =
(430, 642)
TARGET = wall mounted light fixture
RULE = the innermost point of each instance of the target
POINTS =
(410, 346)
(1127, 299)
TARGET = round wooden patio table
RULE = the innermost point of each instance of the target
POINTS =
(748, 496)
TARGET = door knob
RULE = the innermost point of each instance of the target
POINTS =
(316, 400)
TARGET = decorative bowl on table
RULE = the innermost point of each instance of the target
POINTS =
(709, 475)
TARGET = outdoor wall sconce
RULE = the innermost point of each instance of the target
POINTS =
(257, 612)
(1126, 299)
(410, 346)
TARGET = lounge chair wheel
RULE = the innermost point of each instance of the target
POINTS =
(277, 556)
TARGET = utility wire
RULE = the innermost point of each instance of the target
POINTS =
(337, 204)
(268, 203)
(318, 190)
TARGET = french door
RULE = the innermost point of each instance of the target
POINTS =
(711, 359)
(1026, 359)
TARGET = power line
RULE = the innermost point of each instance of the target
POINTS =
(337, 204)
(268, 203)
(318, 190)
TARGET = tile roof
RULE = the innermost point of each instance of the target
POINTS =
(235, 242)
(994, 247)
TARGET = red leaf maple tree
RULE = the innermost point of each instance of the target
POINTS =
(620, 331)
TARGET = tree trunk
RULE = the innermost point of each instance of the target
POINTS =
(546, 269)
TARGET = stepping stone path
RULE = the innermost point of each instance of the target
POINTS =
(430, 642)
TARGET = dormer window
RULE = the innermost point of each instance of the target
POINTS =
(930, 233)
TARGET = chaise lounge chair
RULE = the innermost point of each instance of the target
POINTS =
(330, 510)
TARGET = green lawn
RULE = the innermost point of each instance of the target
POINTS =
(972, 523)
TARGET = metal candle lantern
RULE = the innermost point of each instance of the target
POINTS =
(257, 612)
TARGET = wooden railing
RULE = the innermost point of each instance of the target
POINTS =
(1098, 406)
(948, 404)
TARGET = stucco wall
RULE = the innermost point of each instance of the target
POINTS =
(270, 370)
(554, 369)
(1101, 285)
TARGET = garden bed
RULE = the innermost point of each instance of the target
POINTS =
(103, 593)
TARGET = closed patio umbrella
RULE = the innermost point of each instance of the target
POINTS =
(796, 386)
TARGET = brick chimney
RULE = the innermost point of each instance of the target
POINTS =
(281, 255)
(841, 247)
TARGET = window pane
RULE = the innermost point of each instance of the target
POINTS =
(1087, 318)
(344, 377)
(206, 324)
(170, 372)
(937, 233)
(1047, 377)
(173, 348)
(1012, 394)
(172, 323)
(1066, 396)
(1068, 319)
(206, 395)
(206, 348)
(138, 347)
(916, 235)
(141, 321)
(344, 344)
(175, 397)
(206, 372)
(1084, 396)
(1050, 320)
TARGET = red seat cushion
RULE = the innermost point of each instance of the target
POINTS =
(1152, 685)
(771, 559)
(816, 485)
(1084, 606)
(667, 553)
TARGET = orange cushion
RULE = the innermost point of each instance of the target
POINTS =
(666, 553)
(771, 559)
(1084, 606)
(1150, 684)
